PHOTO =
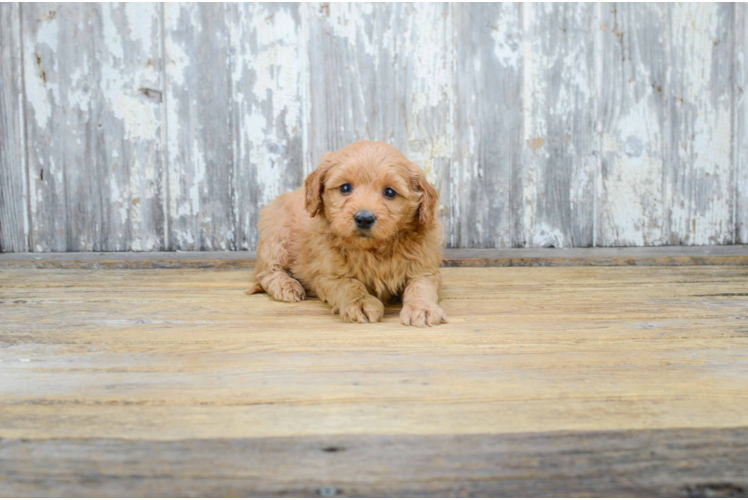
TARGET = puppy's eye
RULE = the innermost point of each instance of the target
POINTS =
(346, 188)
(389, 193)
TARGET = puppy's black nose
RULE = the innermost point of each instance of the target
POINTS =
(364, 219)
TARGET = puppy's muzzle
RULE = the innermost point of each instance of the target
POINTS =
(364, 219)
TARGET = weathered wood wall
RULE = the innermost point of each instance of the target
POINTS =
(167, 127)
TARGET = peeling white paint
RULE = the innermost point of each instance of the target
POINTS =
(633, 186)
(703, 214)
(142, 26)
(429, 58)
(545, 236)
(559, 111)
(177, 64)
(268, 74)
(41, 47)
(277, 64)
(306, 91)
(348, 21)
(507, 36)
(121, 84)
(534, 124)
(177, 59)
(118, 200)
(740, 208)
(112, 35)
(673, 165)
(426, 53)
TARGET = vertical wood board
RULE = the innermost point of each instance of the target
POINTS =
(13, 189)
(741, 119)
(700, 177)
(64, 186)
(559, 99)
(199, 121)
(488, 152)
(267, 52)
(92, 80)
(635, 126)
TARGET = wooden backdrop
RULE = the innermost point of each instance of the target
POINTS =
(149, 127)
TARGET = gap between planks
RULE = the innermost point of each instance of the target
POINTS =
(519, 257)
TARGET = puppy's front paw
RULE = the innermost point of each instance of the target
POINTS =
(368, 309)
(422, 315)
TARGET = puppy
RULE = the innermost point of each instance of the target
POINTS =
(362, 231)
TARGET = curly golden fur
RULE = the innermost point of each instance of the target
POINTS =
(310, 244)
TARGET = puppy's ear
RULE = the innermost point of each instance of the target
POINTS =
(429, 199)
(314, 186)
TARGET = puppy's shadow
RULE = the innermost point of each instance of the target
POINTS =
(392, 310)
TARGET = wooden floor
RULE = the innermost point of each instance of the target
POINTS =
(546, 381)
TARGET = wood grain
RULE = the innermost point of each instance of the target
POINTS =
(488, 127)
(700, 170)
(200, 129)
(183, 354)
(741, 127)
(65, 210)
(13, 190)
(659, 463)
(168, 127)
(92, 86)
(635, 124)
(173, 382)
(352, 75)
(267, 65)
(560, 102)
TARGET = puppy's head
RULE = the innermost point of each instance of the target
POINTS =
(369, 192)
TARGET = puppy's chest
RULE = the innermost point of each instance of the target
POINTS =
(382, 276)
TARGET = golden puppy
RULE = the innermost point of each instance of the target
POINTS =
(362, 231)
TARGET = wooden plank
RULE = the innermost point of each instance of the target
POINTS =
(488, 127)
(173, 382)
(46, 196)
(383, 72)
(700, 178)
(422, 58)
(14, 224)
(741, 127)
(200, 129)
(352, 75)
(93, 102)
(453, 257)
(635, 124)
(65, 209)
(657, 463)
(526, 350)
(559, 96)
(268, 64)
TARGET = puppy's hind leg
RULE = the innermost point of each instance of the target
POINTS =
(271, 269)
(279, 284)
